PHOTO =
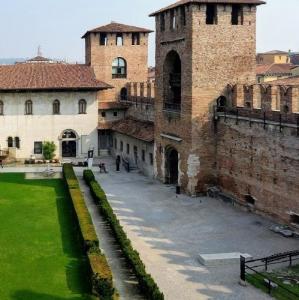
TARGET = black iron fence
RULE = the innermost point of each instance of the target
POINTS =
(266, 116)
(258, 268)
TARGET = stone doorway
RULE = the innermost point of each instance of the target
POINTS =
(69, 149)
(172, 165)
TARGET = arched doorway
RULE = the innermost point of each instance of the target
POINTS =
(69, 143)
(124, 94)
(172, 81)
(172, 165)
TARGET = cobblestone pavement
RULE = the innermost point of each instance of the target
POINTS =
(170, 231)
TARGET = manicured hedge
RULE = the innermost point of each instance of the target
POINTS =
(101, 276)
(146, 282)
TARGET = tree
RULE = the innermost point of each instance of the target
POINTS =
(49, 149)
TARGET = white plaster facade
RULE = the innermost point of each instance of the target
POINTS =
(43, 125)
(146, 166)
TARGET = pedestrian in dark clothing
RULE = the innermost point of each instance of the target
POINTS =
(117, 163)
(1, 163)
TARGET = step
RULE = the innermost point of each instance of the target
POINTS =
(222, 258)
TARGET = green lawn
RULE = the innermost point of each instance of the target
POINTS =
(278, 293)
(40, 254)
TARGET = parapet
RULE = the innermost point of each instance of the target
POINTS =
(266, 97)
(140, 92)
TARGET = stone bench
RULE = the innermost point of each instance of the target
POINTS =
(222, 258)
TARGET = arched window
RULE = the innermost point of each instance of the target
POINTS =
(82, 106)
(69, 134)
(221, 102)
(119, 68)
(172, 80)
(17, 142)
(56, 107)
(1, 108)
(9, 142)
(124, 94)
(28, 107)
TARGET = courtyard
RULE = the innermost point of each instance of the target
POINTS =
(170, 231)
(40, 254)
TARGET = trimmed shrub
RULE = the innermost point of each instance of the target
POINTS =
(146, 282)
(84, 219)
(70, 176)
(88, 176)
(101, 273)
(102, 277)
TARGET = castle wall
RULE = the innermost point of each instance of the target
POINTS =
(257, 149)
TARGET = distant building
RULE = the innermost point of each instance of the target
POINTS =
(273, 57)
(270, 72)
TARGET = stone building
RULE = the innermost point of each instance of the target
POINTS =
(118, 53)
(201, 47)
(273, 57)
(42, 100)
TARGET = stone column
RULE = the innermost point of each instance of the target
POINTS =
(295, 99)
(275, 98)
(240, 95)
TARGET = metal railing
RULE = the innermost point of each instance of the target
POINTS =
(259, 268)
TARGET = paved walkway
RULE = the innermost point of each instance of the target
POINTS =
(124, 281)
(170, 231)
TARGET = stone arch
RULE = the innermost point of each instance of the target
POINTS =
(171, 165)
(69, 140)
(172, 81)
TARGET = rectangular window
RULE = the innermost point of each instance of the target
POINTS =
(38, 147)
(172, 20)
(183, 16)
(103, 113)
(103, 39)
(143, 155)
(119, 40)
(211, 14)
(151, 157)
(237, 15)
(121, 146)
(115, 113)
(128, 149)
(162, 22)
(136, 38)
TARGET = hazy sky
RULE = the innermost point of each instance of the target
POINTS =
(57, 25)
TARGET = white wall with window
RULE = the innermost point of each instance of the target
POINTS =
(137, 152)
(28, 119)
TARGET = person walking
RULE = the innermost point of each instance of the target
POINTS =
(117, 163)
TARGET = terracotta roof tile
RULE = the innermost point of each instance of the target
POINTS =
(45, 76)
(292, 81)
(274, 69)
(137, 129)
(112, 105)
(184, 2)
(114, 27)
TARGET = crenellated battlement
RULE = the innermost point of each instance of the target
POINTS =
(140, 92)
(283, 99)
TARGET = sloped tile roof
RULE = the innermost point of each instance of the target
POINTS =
(141, 130)
(112, 105)
(274, 69)
(46, 76)
(293, 81)
(114, 27)
(184, 2)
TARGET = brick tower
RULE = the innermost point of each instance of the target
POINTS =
(201, 47)
(118, 53)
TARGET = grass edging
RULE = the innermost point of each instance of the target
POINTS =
(101, 275)
(147, 284)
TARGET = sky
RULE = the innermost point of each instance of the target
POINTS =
(57, 25)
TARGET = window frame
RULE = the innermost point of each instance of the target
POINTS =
(82, 107)
(1, 108)
(136, 38)
(119, 40)
(28, 107)
(10, 142)
(56, 107)
(103, 40)
(17, 142)
(119, 68)
(40, 149)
